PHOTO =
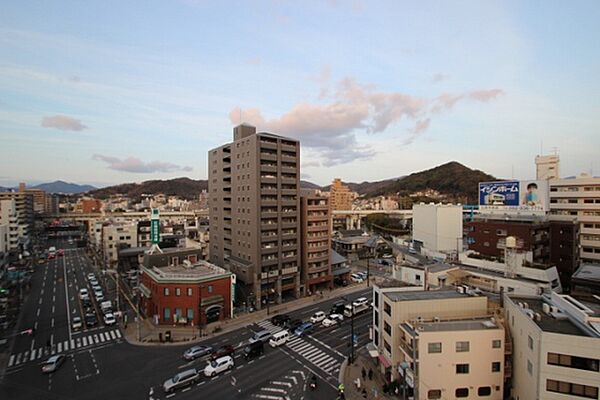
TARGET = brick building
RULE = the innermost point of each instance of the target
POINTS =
(186, 294)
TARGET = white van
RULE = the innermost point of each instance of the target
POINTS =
(279, 338)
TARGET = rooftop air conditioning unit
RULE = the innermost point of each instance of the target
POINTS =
(546, 308)
(436, 319)
(538, 317)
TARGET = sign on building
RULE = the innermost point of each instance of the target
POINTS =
(506, 196)
(155, 226)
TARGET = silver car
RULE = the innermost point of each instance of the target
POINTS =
(52, 364)
(182, 379)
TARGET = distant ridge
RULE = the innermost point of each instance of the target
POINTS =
(64, 187)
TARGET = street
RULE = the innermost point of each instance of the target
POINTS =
(101, 364)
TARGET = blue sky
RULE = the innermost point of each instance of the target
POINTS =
(112, 91)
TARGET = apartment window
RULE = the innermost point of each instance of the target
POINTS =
(177, 291)
(167, 314)
(462, 347)
(484, 391)
(565, 360)
(435, 347)
(190, 291)
(166, 291)
(387, 346)
(210, 288)
(529, 367)
(387, 308)
(496, 344)
(376, 299)
(434, 394)
(486, 244)
(461, 392)
(496, 366)
(574, 389)
(530, 342)
(462, 368)
(387, 328)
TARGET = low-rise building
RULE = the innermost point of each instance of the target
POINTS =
(585, 282)
(438, 227)
(187, 294)
(556, 346)
(115, 237)
(351, 246)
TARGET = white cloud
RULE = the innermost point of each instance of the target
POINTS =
(135, 165)
(63, 123)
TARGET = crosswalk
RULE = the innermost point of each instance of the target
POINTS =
(269, 326)
(64, 346)
(283, 388)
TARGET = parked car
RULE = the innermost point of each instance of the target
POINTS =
(254, 349)
(53, 363)
(340, 281)
(333, 319)
(60, 252)
(99, 295)
(94, 282)
(90, 319)
(91, 276)
(356, 278)
(106, 307)
(318, 317)
(262, 336)
(360, 301)
(219, 365)
(182, 379)
(222, 351)
(293, 324)
(196, 352)
(362, 274)
(303, 329)
(95, 288)
(109, 319)
(280, 319)
(76, 323)
(83, 293)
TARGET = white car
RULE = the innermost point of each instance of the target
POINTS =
(360, 301)
(318, 317)
(109, 319)
(99, 295)
(219, 365)
(83, 293)
(96, 288)
(91, 276)
(76, 323)
(333, 319)
(356, 278)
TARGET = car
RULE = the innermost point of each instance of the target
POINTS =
(76, 323)
(83, 293)
(253, 350)
(106, 307)
(362, 274)
(280, 319)
(356, 278)
(94, 282)
(303, 329)
(261, 336)
(219, 365)
(95, 288)
(182, 379)
(51, 256)
(388, 256)
(70, 241)
(226, 350)
(318, 317)
(360, 301)
(60, 252)
(197, 351)
(293, 324)
(53, 363)
(90, 319)
(91, 276)
(99, 295)
(109, 319)
(337, 307)
(340, 281)
(86, 302)
(333, 319)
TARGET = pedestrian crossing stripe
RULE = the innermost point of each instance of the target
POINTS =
(313, 354)
(60, 347)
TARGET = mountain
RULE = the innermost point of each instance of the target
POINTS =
(452, 179)
(184, 187)
(309, 185)
(64, 187)
(365, 187)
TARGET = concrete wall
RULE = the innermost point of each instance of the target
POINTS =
(438, 226)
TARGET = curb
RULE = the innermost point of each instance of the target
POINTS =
(343, 371)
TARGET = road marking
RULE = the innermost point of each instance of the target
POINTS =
(53, 299)
(84, 341)
(59, 347)
(118, 333)
(40, 300)
(52, 309)
(35, 325)
(32, 355)
(72, 343)
(67, 300)
(112, 334)
(66, 345)
(186, 389)
(52, 323)
(287, 384)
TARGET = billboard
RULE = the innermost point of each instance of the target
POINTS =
(155, 226)
(514, 195)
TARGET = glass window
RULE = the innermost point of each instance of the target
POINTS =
(387, 308)
(573, 389)
(484, 391)
(434, 394)
(461, 392)
(210, 288)
(435, 347)
(166, 291)
(496, 344)
(529, 367)
(496, 366)
(565, 360)
(190, 291)
(177, 291)
(167, 314)
(190, 314)
(462, 347)
(530, 342)
(462, 368)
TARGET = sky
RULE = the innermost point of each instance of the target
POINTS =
(110, 92)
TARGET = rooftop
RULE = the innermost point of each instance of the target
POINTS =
(198, 272)
(459, 325)
(588, 272)
(424, 295)
(336, 258)
(352, 239)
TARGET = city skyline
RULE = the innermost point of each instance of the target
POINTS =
(373, 91)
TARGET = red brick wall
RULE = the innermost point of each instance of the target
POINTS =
(159, 301)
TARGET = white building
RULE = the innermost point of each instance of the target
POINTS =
(16, 225)
(439, 227)
(556, 347)
(4, 229)
(115, 237)
(547, 167)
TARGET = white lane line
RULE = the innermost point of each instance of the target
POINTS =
(18, 361)
(40, 300)
(118, 333)
(67, 300)
(319, 358)
(72, 343)
(52, 323)
(32, 344)
(35, 325)
(96, 339)
(52, 309)
(112, 334)
(52, 339)
(101, 335)
(59, 347)
(84, 341)
(32, 355)
(66, 345)
(53, 299)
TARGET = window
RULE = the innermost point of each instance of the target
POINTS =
(387, 346)
(462, 368)
(387, 328)
(166, 291)
(190, 314)
(590, 392)
(190, 291)
(530, 342)
(434, 394)
(565, 360)
(461, 392)
(387, 308)
(484, 391)
(434, 347)
(496, 366)
(496, 344)
(462, 347)
(529, 367)
(376, 299)
(177, 291)
(167, 314)
(210, 288)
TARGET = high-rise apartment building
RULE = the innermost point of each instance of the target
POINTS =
(23, 203)
(254, 213)
(578, 199)
(547, 167)
(39, 200)
(340, 196)
(316, 242)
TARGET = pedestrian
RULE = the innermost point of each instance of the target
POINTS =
(363, 372)
(370, 374)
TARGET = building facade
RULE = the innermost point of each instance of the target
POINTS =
(439, 227)
(340, 196)
(187, 294)
(254, 213)
(16, 227)
(23, 203)
(315, 220)
(547, 167)
(115, 237)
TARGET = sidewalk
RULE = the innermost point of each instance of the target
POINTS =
(149, 333)
(368, 388)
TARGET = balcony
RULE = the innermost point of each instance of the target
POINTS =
(268, 156)
(288, 147)
(407, 349)
(268, 178)
(265, 262)
(269, 250)
(288, 180)
(289, 169)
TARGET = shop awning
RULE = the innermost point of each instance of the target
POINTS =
(212, 300)
(386, 364)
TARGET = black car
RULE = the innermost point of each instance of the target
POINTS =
(91, 320)
(222, 351)
(280, 319)
(293, 324)
(337, 307)
(254, 349)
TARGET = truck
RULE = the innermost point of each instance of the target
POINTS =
(357, 309)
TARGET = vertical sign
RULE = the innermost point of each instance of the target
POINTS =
(155, 226)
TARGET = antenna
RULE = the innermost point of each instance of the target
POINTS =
(512, 171)
(541, 147)
(240, 121)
